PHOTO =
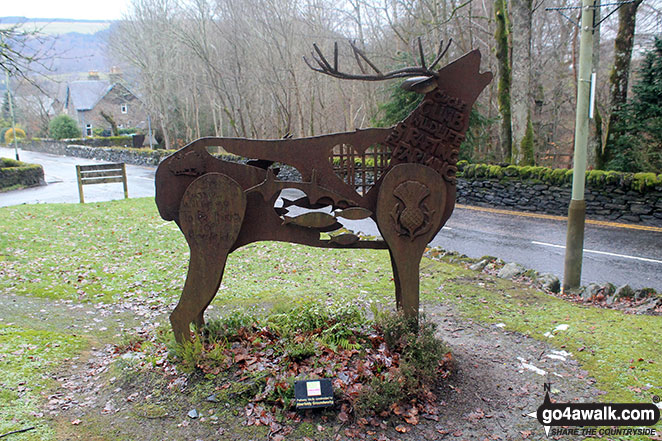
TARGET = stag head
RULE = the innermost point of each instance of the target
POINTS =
(422, 79)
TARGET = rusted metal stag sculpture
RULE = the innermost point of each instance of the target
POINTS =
(408, 190)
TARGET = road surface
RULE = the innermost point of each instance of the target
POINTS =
(612, 253)
(62, 186)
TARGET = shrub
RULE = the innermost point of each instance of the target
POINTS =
(596, 177)
(635, 144)
(3, 130)
(469, 171)
(558, 176)
(379, 395)
(481, 170)
(9, 135)
(511, 171)
(424, 359)
(63, 127)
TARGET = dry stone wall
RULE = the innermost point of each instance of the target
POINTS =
(622, 197)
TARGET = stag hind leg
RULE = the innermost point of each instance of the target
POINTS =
(409, 208)
(210, 216)
(202, 282)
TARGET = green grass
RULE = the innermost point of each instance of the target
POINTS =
(91, 252)
(26, 358)
(103, 252)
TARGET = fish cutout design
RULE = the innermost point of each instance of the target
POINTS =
(315, 219)
(302, 202)
(331, 228)
(345, 239)
(354, 213)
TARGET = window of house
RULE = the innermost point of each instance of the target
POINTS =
(88, 130)
(124, 108)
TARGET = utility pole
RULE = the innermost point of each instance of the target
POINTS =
(572, 272)
(577, 210)
(13, 118)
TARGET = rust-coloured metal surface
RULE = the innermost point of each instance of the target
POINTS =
(408, 189)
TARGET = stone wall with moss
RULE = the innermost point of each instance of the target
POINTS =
(17, 174)
(616, 196)
(127, 155)
(610, 195)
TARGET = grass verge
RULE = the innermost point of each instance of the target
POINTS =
(106, 252)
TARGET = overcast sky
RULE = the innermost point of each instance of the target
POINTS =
(77, 9)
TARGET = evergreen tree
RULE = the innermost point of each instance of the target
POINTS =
(398, 107)
(403, 102)
(63, 127)
(639, 148)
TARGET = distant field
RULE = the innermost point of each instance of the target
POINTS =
(62, 27)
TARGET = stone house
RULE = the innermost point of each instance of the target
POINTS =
(94, 103)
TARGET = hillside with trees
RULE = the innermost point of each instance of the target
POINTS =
(227, 68)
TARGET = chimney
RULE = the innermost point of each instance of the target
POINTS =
(93, 75)
(115, 74)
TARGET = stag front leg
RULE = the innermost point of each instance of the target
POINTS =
(396, 281)
(210, 216)
(409, 212)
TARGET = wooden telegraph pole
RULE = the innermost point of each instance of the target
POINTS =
(572, 272)
(577, 210)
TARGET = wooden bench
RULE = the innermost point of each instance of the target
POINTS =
(101, 174)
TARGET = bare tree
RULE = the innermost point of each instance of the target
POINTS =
(521, 14)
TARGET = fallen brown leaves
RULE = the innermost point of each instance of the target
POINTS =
(257, 364)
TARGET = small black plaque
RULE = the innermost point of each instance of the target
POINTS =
(313, 393)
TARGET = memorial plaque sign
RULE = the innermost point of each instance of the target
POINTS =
(310, 394)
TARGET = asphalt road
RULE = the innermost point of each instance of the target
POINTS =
(60, 174)
(616, 254)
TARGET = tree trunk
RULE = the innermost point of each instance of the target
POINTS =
(618, 80)
(595, 126)
(503, 72)
(521, 15)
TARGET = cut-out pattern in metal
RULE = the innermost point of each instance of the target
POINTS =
(402, 177)
(411, 214)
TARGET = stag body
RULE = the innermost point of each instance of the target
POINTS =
(221, 206)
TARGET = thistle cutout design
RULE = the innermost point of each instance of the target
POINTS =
(412, 219)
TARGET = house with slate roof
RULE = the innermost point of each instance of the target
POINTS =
(94, 102)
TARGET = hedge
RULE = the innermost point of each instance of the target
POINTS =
(19, 174)
(641, 182)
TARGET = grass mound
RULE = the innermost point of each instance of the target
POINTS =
(384, 367)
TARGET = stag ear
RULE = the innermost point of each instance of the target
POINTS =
(420, 84)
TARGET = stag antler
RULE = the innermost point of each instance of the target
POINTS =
(326, 68)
